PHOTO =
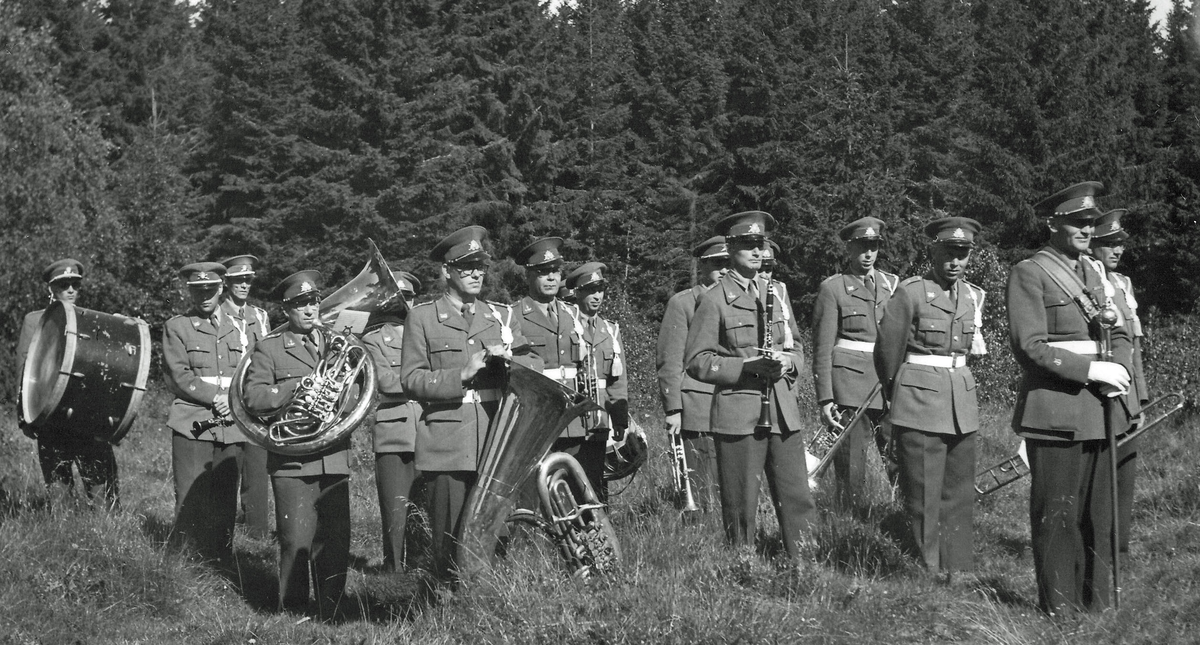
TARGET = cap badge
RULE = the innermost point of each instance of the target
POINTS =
(595, 276)
(305, 287)
(548, 256)
(473, 245)
(870, 232)
(1087, 202)
(201, 276)
(754, 229)
(958, 234)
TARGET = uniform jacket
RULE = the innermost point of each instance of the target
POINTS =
(437, 344)
(679, 391)
(603, 340)
(1125, 301)
(556, 343)
(845, 308)
(278, 363)
(1054, 401)
(395, 427)
(724, 332)
(200, 354)
(923, 319)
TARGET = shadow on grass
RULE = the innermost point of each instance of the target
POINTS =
(997, 589)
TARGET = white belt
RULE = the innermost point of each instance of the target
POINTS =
(958, 360)
(1082, 347)
(219, 381)
(561, 373)
(856, 345)
(481, 396)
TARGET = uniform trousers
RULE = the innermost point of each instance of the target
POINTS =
(206, 489)
(1127, 466)
(740, 460)
(589, 451)
(312, 518)
(395, 473)
(702, 462)
(1070, 517)
(447, 499)
(95, 459)
(850, 462)
(254, 489)
(937, 484)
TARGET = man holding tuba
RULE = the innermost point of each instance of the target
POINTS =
(686, 401)
(394, 435)
(452, 363)
(252, 324)
(312, 491)
(736, 342)
(59, 448)
(201, 350)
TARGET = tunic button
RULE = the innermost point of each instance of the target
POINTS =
(956, 338)
(471, 342)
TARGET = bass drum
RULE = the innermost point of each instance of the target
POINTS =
(85, 373)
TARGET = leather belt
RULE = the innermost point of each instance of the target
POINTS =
(958, 360)
(481, 396)
(1081, 347)
(856, 345)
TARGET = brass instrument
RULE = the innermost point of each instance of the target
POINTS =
(827, 441)
(1015, 466)
(533, 412)
(324, 408)
(767, 351)
(586, 384)
(681, 474)
(624, 452)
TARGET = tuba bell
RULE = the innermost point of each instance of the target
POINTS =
(327, 406)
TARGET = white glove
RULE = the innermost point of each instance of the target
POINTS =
(1113, 376)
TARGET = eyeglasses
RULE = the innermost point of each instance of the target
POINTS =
(468, 269)
(748, 243)
(240, 279)
(63, 285)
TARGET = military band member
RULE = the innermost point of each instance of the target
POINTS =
(686, 401)
(452, 365)
(60, 447)
(920, 357)
(201, 350)
(605, 359)
(394, 435)
(1108, 246)
(723, 348)
(252, 324)
(846, 318)
(1060, 405)
(312, 492)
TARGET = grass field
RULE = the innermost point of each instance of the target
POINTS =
(69, 574)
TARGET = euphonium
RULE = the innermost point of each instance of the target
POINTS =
(326, 406)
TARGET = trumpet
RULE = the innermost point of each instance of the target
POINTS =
(827, 441)
(1014, 467)
(681, 474)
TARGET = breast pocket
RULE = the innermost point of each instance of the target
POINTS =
(447, 352)
(854, 320)
(200, 356)
(932, 332)
(741, 332)
(1062, 317)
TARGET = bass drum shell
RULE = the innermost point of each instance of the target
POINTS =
(85, 373)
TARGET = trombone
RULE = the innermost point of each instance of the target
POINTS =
(1016, 466)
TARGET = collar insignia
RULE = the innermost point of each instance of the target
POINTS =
(930, 294)
(443, 316)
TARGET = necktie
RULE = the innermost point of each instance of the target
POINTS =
(310, 344)
(468, 314)
(869, 281)
(552, 314)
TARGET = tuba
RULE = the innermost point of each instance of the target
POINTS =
(327, 406)
(533, 412)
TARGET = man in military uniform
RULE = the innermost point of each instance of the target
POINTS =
(394, 434)
(451, 365)
(604, 361)
(59, 448)
(686, 401)
(201, 350)
(1053, 303)
(252, 324)
(312, 492)
(920, 357)
(723, 348)
(846, 316)
(1108, 246)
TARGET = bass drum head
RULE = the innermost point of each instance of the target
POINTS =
(48, 364)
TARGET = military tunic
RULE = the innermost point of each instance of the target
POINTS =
(58, 448)
(726, 330)
(393, 437)
(252, 324)
(1127, 457)
(681, 394)
(924, 338)
(312, 492)
(845, 323)
(602, 339)
(556, 342)
(1061, 417)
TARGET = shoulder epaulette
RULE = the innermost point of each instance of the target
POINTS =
(274, 334)
(832, 277)
(176, 316)
(908, 281)
(497, 303)
(423, 304)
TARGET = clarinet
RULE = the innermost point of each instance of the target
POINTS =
(765, 315)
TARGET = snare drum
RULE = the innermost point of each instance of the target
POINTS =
(85, 373)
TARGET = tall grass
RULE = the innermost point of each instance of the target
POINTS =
(69, 573)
